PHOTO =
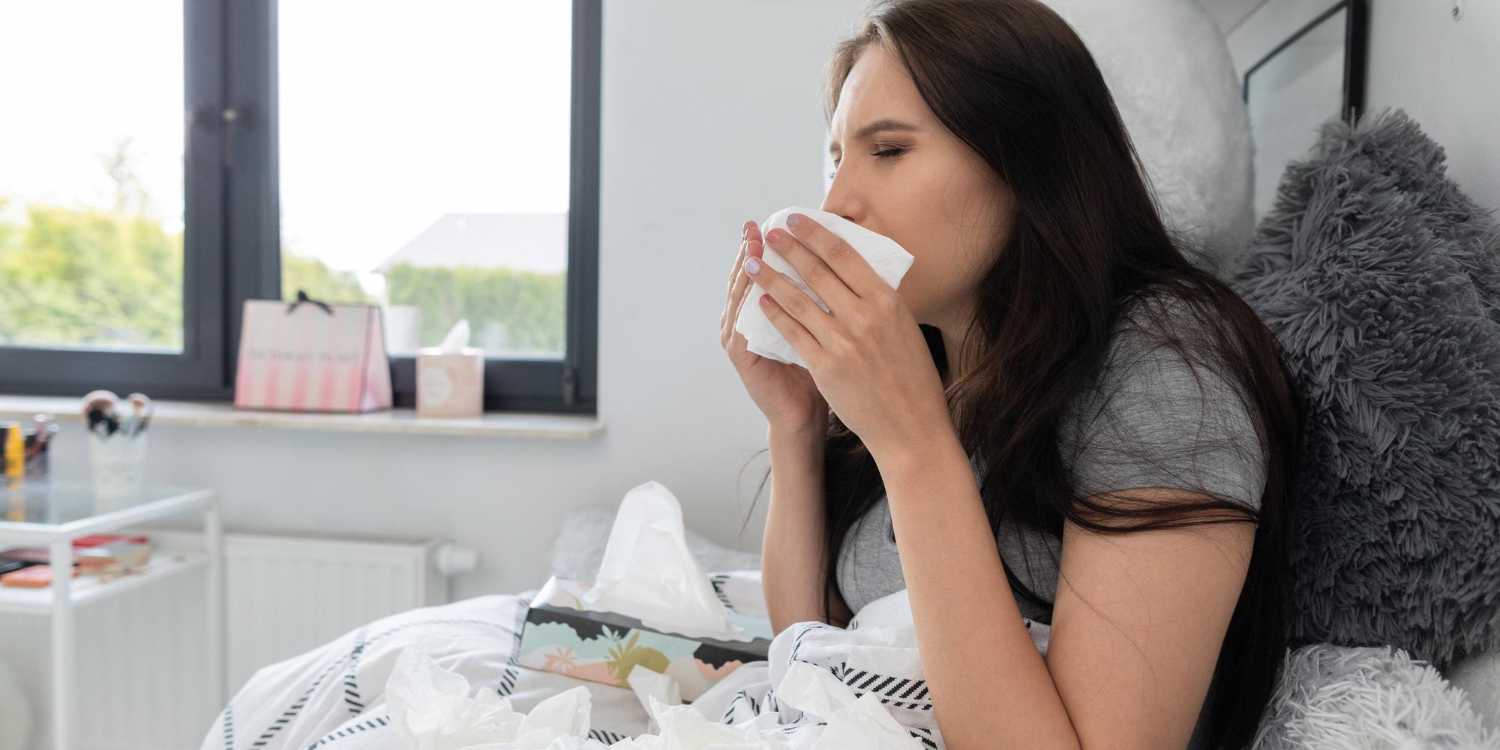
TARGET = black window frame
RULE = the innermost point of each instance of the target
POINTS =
(232, 247)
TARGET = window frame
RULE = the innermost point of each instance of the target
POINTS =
(232, 232)
(198, 371)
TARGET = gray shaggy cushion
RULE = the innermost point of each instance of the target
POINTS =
(1382, 283)
(1339, 698)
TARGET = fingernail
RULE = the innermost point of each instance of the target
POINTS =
(752, 265)
(792, 220)
(744, 230)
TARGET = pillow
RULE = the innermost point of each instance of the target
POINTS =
(1338, 698)
(1174, 83)
(1381, 282)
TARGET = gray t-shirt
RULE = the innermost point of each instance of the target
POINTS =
(1144, 421)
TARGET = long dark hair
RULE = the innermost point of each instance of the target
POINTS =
(1015, 83)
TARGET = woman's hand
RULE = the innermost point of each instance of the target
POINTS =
(785, 393)
(866, 355)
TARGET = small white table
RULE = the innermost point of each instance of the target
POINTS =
(70, 511)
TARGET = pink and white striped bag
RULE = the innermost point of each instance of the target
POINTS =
(311, 356)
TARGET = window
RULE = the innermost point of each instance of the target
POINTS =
(437, 159)
(103, 263)
(92, 222)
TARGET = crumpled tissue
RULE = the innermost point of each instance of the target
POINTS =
(431, 707)
(683, 728)
(890, 261)
(649, 573)
(851, 724)
(648, 685)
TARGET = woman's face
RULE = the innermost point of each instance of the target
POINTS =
(902, 174)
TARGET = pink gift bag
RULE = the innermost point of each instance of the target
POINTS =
(310, 356)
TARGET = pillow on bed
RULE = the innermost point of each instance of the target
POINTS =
(1381, 281)
(1174, 83)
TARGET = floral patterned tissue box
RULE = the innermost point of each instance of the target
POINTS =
(559, 635)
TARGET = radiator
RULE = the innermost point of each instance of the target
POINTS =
(141, 683)
(287, 595)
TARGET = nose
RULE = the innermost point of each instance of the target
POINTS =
(837, 203)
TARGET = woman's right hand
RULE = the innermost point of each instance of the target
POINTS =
(785, 393)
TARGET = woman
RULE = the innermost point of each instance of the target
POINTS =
(1053, 394)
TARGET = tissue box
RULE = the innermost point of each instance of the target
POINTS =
(450, 384)
(559, 635)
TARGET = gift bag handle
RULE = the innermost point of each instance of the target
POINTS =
(302, 297)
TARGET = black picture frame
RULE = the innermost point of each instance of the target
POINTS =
(1356, 52)
(1273, 154)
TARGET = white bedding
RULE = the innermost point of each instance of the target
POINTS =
(333, 696)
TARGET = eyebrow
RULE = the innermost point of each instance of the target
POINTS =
(876, 127)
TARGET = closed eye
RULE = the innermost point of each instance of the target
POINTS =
(883, 153)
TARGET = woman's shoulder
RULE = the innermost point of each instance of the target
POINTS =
(1162, 398)
(1153, 342)
(1155, 321)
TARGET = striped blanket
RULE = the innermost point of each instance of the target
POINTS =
(332, 698)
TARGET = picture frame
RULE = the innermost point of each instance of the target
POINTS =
(1315, 75)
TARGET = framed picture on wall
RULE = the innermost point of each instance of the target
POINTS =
(1315, 75)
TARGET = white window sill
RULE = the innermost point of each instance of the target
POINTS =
(391, 422)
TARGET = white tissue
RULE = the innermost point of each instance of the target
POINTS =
(890, 261)
(684, 728)
(457, 339)
(431, 707)
(852, 723)
(649, 573)
(648, 686)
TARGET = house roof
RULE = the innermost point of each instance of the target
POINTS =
(527, 242)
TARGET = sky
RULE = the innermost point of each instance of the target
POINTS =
(392, 113)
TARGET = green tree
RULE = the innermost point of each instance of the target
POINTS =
(87, 277)
(90, 277)
(320, 282)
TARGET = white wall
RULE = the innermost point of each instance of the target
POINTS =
(1440, 70)
(710, 117)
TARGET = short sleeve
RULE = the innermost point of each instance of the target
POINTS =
(1153, 418)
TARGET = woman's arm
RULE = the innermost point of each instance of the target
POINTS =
(1135, 631)
(792, 571)
(1139, 617)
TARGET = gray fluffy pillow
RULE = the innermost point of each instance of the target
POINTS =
(1381, 281)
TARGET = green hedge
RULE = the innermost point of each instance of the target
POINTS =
(73, 276)
(529, 306)
(84, 277)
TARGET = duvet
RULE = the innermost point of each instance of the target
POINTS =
(332, 697)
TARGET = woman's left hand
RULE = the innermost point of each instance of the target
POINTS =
(866, 354)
